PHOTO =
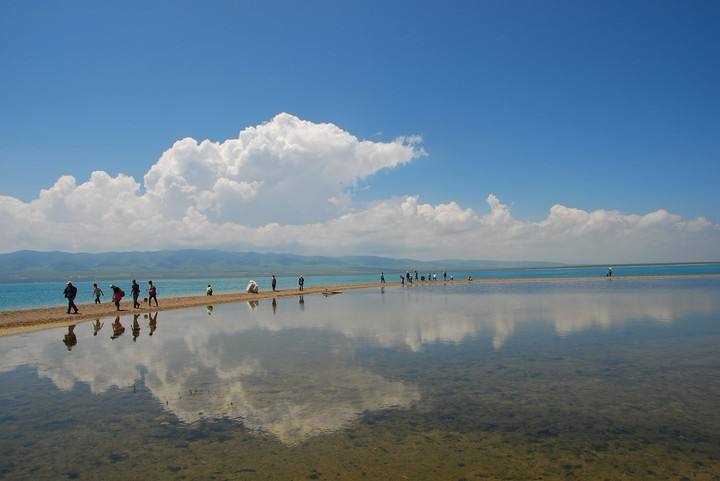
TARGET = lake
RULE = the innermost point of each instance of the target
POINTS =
(606, 379)
(22, 295)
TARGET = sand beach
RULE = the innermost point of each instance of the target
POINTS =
(28, 320)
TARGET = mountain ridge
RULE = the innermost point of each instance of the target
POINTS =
(29, 265)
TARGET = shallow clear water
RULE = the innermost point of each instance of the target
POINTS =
(593, 380)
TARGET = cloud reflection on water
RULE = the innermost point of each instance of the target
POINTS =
(290, 370)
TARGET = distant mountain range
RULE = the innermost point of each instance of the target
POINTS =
(48, 266)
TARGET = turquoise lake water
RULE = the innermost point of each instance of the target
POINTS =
(42, 294)
(587, 380)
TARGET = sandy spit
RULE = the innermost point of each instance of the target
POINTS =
(27, 320)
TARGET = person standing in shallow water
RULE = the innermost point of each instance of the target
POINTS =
(70, 294)
(152, 294)
(208, 291)
(382, 278)
(301, 282)
(273, 282)
(98, 293)
(135, 291)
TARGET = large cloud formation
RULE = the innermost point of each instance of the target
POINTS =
(288, 184)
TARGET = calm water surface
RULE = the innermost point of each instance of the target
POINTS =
(594, 380)
(21, 295)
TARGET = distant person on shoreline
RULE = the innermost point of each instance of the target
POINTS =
(98, 293)
(135, 291)
(70, 293)
(416, 275)
(301, 282)
(208, 291)
(273, 283)
(117, 296)
(382, 278)
(252, 287)
(609, 272)
(445, 276)
(97, 326)
(152, 294)
(402, 281)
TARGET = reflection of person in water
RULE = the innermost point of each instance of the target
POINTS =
(152, 322)
(252, 304)
(118, 328)
(97, 325)
(301, 301)
(70, 338)
(209, 310)
(135, 327)
(274, 305)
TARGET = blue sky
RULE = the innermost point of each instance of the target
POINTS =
(594, 105)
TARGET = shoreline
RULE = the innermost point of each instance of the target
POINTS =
(33, 319)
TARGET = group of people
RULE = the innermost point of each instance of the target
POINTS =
(408, 277)
(117, 295)
(254, 288)
(70, 339)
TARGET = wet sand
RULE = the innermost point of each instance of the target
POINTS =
(27, 320)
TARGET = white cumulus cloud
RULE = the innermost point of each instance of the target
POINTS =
(288, 184)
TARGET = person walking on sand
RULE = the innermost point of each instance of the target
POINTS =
(301, 282)
(273, 282)
(117, 296)
(152, 294)
(98, 293)
(382, 278)
(135, 291)
(208, 291)
(70, 293)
